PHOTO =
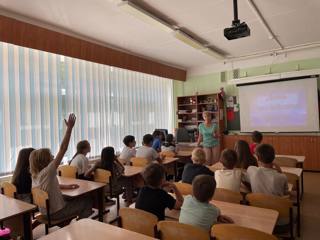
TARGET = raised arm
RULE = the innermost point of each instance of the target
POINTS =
(66, 139)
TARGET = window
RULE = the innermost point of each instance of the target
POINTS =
(39, 89)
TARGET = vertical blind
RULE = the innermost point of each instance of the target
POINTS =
(39, 89)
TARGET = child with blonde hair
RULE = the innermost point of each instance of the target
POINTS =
(43, 169)
(197, 167)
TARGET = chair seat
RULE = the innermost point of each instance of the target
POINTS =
(43, 219)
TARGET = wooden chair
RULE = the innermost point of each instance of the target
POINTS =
(9, 190)
(68, 171)
(282, 205)
(139, 162)
(226, 195)
(294, 180)
(104, 176)
(172, 230)
(168, 154)
(286, 162)
(184, 188)
(41, 199)
(234, 232)
(139, 221)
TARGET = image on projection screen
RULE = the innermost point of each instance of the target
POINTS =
(288, 106)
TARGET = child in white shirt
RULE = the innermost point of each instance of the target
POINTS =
(146, 151)
(128, 151)
(229, 177)
(79, 160)
(168, 145)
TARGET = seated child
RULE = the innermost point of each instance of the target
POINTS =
(79, 160)
(256, 137)
(43, 168)
(156, 144)
(168, 145)
(152, 198)
(146, 151)
(197, 210)
(109, 162)
(21, 176)
(191, 170)
(229, 177)
(129, 150)
(268, 178)
(245, 157)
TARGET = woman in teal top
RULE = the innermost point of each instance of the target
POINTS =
(208, 135)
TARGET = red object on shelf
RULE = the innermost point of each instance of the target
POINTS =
(230, 114)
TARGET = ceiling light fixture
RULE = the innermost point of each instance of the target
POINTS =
(183, 37)
(149, 18)
(145, 16)
(212, 53)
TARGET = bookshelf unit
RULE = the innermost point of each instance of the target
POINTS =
(190, 109)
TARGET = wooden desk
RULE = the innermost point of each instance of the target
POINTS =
(299, 173)
(169, 160)
(85, 229)
(129, 173)
(247, 216)
(85, 187)
(296, 171)
(184, 153)
(11, 208)
(169, 163)
(300, 159)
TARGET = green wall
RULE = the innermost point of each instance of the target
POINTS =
(211, 83)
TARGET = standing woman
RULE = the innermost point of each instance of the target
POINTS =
(208, 135)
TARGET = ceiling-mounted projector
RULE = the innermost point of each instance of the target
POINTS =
(237, 30)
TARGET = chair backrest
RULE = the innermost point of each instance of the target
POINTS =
(139, 162)
(280, 204)
(8, 189)
(139, 221)
(168, 154)
(39, 197)
(172, 230)
(293, 179)
(234, 232)
(226, 195)
(286, 161)
(102, 175)
(184, 188)
(67, 171)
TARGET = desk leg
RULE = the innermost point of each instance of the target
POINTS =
(100, 193)
(27, 226)
(175, 171)
(302, 185)
(129, 190)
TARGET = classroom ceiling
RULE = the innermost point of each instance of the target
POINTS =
(294, 22)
